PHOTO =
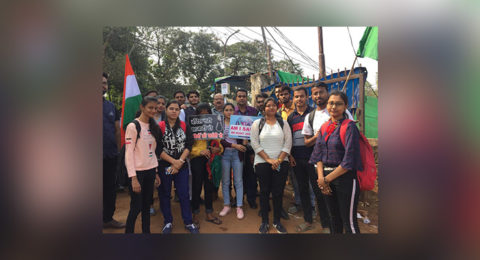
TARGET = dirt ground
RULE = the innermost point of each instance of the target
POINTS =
(368, 205)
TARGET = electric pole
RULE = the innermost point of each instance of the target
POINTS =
(321, 57)
(269, 61)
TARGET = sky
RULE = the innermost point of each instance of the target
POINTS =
(337, 46)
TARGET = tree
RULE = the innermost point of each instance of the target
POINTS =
(118, 41)
(287, 66)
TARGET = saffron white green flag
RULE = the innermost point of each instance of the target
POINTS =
(131, 97)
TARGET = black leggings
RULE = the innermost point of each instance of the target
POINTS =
(140, 202)
(342, 204)
(271, 181)
(199, 178)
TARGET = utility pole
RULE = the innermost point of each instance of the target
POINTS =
(321, 57)
(269, 61)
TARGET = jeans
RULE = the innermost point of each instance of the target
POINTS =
(230, 160)
(271, 181)
(296, 190)
(140, 202)
(305, 174)
(109, 193)
(199, 178)
(180, 180)
(342, 204)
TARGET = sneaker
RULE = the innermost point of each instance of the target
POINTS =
(293, 209)
(167, 229)
(240, 214)
(224, 211)
(113, 224)
(152, 211)
(263, 228)
(192, 228)
(280, 229)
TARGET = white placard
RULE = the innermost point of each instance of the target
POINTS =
(225, 88)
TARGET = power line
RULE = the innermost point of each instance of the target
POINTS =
(293, 65)
(351, 42)
(298, 50)
(300, 61)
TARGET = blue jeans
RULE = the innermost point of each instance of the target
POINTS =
(231, 160)
(165, 190)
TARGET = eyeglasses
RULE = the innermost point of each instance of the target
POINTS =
(331, 103)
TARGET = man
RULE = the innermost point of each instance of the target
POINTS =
(249, 179)
(111, 143)
(320, 116)
(287, 108)
(287, 103)
(152, 93)
(193, 98)
(278, 89)
(260, 103)
(218, 104)
(180, 97)
(300, 154)
(217, 110)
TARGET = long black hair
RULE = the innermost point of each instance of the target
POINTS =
(154, 128)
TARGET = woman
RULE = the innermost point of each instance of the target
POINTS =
(176, 142)
(337, 165)
(271, 140)
(141, 163)
(201, 152)
(159, 116)
(231, 160)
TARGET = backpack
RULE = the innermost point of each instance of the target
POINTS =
(162, 126)
(262, 123)
(122, 174)
(366, 178)
(311, 116)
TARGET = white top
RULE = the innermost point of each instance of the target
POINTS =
(273, 140)
(182, 115)
(321, 117)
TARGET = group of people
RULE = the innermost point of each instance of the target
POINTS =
(286, 140)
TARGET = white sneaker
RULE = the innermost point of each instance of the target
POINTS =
(224, 211)
(240, 214)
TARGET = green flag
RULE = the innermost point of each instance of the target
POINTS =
(369, 44)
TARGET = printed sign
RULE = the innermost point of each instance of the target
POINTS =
(225, 88)
(206, 127)
(240, 126)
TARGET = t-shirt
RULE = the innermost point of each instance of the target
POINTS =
(321, 117)
(139, 157)
(296, 122)
(272, 140)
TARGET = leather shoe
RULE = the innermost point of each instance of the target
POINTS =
(253, 204)
(113, 224)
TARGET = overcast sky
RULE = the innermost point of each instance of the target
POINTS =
(337, 46)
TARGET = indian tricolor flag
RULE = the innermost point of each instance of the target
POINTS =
(131, 98)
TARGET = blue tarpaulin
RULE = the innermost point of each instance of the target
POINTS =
(352, 88)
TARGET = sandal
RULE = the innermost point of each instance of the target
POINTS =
(304, 227)
(214, 220)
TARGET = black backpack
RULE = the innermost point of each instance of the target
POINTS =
(262, 123)
(122, 175)
(311, 116)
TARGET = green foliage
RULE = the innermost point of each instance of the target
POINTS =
(168, 59)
